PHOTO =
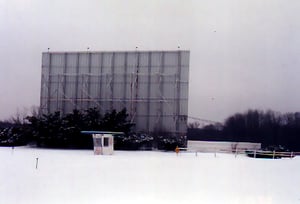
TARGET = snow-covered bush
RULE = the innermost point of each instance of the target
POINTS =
(133, 141)
(14, 136)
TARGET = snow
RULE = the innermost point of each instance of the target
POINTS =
(78, 176)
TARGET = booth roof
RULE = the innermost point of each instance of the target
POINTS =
(101, 132)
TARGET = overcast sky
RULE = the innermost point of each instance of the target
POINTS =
(244, 54)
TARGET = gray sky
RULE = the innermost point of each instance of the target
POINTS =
(244, 54)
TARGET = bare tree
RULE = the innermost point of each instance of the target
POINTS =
(194, 125)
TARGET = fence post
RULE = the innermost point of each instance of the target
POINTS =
(273, 154)
(255, 153)
(36, 163)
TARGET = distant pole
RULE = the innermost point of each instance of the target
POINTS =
(37, 163)
(177, 150)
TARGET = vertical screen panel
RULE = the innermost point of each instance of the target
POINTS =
(94, 86)
(84, 63)
(45, 59)
(107, 63)
(156, 59)
(57, 64)
(171, 59)
(96, 63)
(71, 65)
(144, 59)
(119, 63)
(70, 90)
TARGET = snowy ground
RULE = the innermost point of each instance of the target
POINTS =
(78, 176)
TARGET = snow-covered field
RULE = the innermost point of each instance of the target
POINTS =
(78, 176)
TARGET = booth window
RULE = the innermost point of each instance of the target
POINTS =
(97, 142)
(106, 141)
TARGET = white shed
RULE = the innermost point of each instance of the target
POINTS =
(103, 141)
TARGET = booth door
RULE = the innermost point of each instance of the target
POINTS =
(107, 145)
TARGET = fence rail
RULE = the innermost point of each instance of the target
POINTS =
(253, 153)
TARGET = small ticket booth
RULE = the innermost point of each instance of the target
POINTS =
(103, 141)
(103, 144)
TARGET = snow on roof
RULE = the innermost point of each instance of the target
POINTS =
(101, 132)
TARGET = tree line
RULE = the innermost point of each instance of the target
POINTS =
(55, 130)
(62, 131)
(267, 127)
